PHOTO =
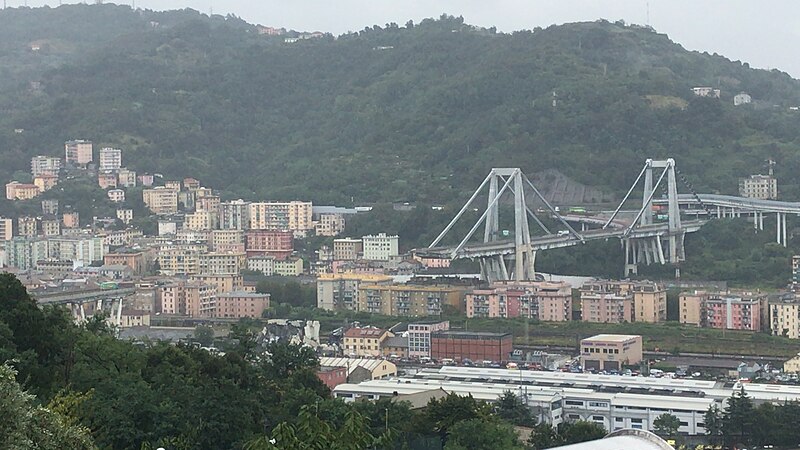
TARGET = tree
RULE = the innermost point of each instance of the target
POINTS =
(580, 431)
(26, 425)
(511, 408)
(284, 359)
(666, 425)
(737, 419)
(479, 434)
(204, 335)
(544, 436)
(713, 422)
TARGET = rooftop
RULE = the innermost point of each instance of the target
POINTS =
(486, 334)
(370, 332)
(242, 294)
(612, 338)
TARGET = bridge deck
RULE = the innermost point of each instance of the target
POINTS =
(730, 201)
(65, 297)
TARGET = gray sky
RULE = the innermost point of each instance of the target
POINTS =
(765, 34)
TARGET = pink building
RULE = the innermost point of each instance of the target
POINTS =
(732, 312)
(107, 180)
(535, 300)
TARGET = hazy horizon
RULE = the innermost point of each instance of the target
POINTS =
(740, 30)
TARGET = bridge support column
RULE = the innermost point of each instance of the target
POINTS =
(783, 225)
(631, 261)
(781, 228)
(761, 221)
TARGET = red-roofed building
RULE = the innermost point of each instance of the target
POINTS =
(364, 341)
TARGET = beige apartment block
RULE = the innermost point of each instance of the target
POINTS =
(610, 351)
(178, 260)
(45, 165)
(241, 304)
(784, 316)
(222, 263)
(6, 229)
(27, 226)
(340, 291)
(329, 224)
(226, 240)
(45, 182)
(408, 300)
(691, 307)
(161, 200)
(187, 298)
(763, 187)
(78, 152)
(289, 267)
(347, 249)
(294, 216)
(71, 220)
(51, 227)
(198, 220)
(361, 342)
(21, 191)
(223, 283)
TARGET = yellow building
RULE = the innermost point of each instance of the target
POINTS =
(691, 307)
(784, 316)
(6, 229)
(27, 226)
(408, 300)
(51, 227)
(222, 241)
(161, 200)
(191, 299)
(792, 365)
(223, 283)
(178, 260)
(340, 291)
(289, 267)
(198, 220)
(610, 351)
(45, 182)
(20, 191)
(366, 341)
(222, 263)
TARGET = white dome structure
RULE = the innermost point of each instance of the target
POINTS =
(625, 439)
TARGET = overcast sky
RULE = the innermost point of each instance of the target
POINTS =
(764, 33)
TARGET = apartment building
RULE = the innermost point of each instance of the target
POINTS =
(289, 267)
(161, 200)
(110, 159)
(71, 220)
(347, 249)
(784, 315)
(364, 342)
(78, 152)
(126, 178)
(234, 215)
(191, 299)
(50, 207)
(294, 216)
(137, 260)
(380, 247)
(649, 301)
(329, 224)
(45, 165)
(226, 241)
(125, 215)
(198, 220)
(262, 264)
(408, 299)
(223, 283)
(45, 182)
(179, 260)
(221, 263)
(606, 302)
(81, 250)
(724, 310)
(24, 252)
(547, 301)
(276, 243)
(117, 196)
(763, 187)
(239, 304)
(210, 203)
(419, 337)
(472, 345)
(21, 191)
(107, 180)
(27, 226)
(6, 229)
(51, 227)
(340, 291)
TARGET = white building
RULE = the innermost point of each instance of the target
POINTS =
(705, 91)
(419, 337)
(45, 165)
(263, 264)
(380, 247)
(110, 159)
(116, 195)
(763, 187)
(125, 215)
(741, 98)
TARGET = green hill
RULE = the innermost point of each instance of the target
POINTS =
(415, 112)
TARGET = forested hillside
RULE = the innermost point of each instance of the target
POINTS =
(418, 112)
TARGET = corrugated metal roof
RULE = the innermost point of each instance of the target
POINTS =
(353, 363)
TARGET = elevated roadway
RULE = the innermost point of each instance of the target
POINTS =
(549, 242)
(79, 296)
(737, 203)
